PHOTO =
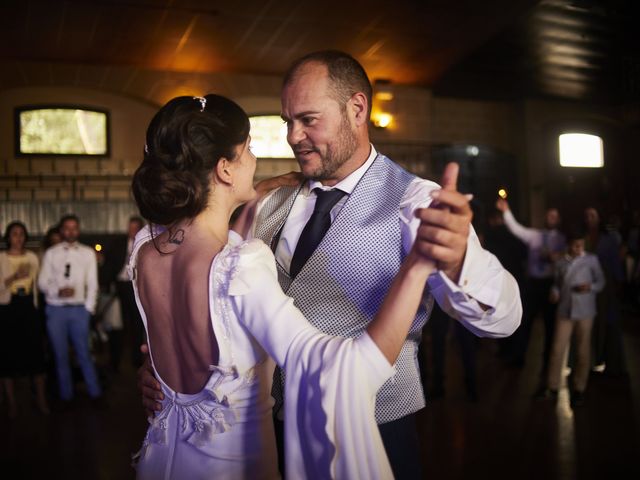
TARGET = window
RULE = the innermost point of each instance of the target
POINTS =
(269, 137)
(61, 130)
(581, 150)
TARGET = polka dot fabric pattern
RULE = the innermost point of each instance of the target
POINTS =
(343, 284)
(274, 213)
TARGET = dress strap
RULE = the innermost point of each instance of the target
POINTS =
(147, 233)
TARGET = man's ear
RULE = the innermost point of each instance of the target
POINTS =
(224, 172)
(359, 107)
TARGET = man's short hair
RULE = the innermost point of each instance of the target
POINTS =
(67, 217)
(137, 219)
(346, 74)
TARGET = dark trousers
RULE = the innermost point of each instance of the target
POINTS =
(438, 326)
(133, 326)
(400, 439)
(608, 347)
(536, 301)
(401, 442)
(115, 349)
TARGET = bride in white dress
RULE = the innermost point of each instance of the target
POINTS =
(217, 322)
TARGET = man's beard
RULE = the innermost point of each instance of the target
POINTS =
(338, 154)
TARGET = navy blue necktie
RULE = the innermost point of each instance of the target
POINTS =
(315, 228)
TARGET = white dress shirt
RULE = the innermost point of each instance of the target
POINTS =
(81, 275)
(483, 280)
(123, 275)
(541, 244)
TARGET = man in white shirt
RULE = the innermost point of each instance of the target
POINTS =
(69, 280)
(545, 246)
(326, 103)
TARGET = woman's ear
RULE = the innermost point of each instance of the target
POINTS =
(224, 172)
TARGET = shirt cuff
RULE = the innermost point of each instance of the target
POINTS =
(454, 300)
(479, 279)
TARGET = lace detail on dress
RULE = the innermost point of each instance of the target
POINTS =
(201, 418)
(222, 271)
(225, 270)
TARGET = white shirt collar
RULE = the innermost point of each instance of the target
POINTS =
(348, 183)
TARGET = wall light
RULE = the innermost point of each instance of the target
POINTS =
(581, 150)
(384, 96)
(383, 104)
(381, 119)
(472, 150)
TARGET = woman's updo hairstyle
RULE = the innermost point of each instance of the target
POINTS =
(185, 141)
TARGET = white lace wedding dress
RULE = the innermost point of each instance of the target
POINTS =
(226, 431)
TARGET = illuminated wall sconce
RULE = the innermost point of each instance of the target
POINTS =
(382, 108)
(472, 150)
(381, 119)
(384, 95)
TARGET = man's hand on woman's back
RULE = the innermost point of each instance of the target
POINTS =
(149, 385)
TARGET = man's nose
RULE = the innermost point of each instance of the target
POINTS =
(295, 134)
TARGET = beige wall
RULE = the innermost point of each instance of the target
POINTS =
(419, 120)
(527, 130)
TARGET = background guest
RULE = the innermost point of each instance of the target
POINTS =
(70, 282)
(512, 254)
(51, 238)
(577, 280)
(545, 246)
(22, 346)
(133, 326)
(607, 331)
(108, 318)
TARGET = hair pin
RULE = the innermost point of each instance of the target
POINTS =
(203, 102)
(146, 149)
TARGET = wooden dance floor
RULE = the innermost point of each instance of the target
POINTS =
(504, 435)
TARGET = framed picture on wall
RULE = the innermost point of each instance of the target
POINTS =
(61, 130)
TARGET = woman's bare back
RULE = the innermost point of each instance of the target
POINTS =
(173, 287)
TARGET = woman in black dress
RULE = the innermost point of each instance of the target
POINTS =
(22, 347)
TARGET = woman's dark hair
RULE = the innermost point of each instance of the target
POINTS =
(11, 226)
(47, 241)
(185, 141)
